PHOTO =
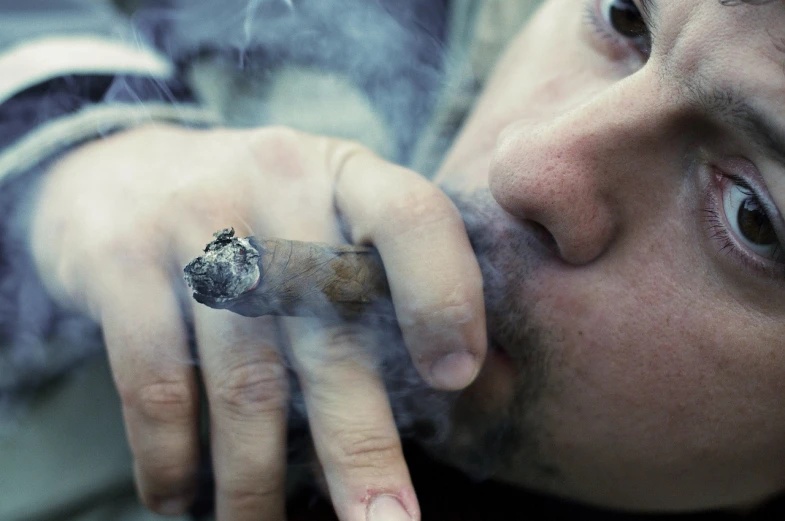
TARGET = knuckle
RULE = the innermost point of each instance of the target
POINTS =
(331, 346)
(342, 342)
(161, 474)
(276, 136)
(278, 152)
(122, 246)
(420, 205)
(167, 402)
(205, 203)
(253, 496)
(456, 308)
(341, 151)
(252, 387)
(369, 449)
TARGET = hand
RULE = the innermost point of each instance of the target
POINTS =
(116, 220)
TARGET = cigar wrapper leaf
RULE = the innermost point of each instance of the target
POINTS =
(256, 277)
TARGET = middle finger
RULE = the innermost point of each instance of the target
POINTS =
(351, 421)
(247, 391)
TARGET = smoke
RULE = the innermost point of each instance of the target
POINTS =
(391, 50)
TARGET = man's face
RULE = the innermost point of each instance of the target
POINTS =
(629, 202)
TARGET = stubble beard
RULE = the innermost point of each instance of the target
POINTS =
(469, 430)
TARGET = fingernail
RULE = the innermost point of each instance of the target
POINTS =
(173, 506)
(387, 508)
(454, 371)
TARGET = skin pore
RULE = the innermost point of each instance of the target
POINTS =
(629, 203)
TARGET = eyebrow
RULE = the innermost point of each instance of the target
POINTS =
(732, 108)
(729, 105)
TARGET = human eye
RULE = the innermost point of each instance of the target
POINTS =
(741, 221)
(620, 24)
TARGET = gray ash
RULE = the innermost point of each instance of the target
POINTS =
(228, 268)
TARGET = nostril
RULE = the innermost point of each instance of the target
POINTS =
(542, 234)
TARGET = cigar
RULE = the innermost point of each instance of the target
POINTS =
(256, 277)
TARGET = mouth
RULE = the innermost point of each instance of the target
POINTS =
(494, 388)
(496, 347)
(496, 350)
(499, 361)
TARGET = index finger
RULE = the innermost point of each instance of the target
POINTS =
(434, 276)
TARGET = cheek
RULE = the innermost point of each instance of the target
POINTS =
(654, 370)
(610, 335)
(619, 351)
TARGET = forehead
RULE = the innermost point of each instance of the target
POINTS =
(731, 42)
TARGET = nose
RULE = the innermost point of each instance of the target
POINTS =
(570, 174)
